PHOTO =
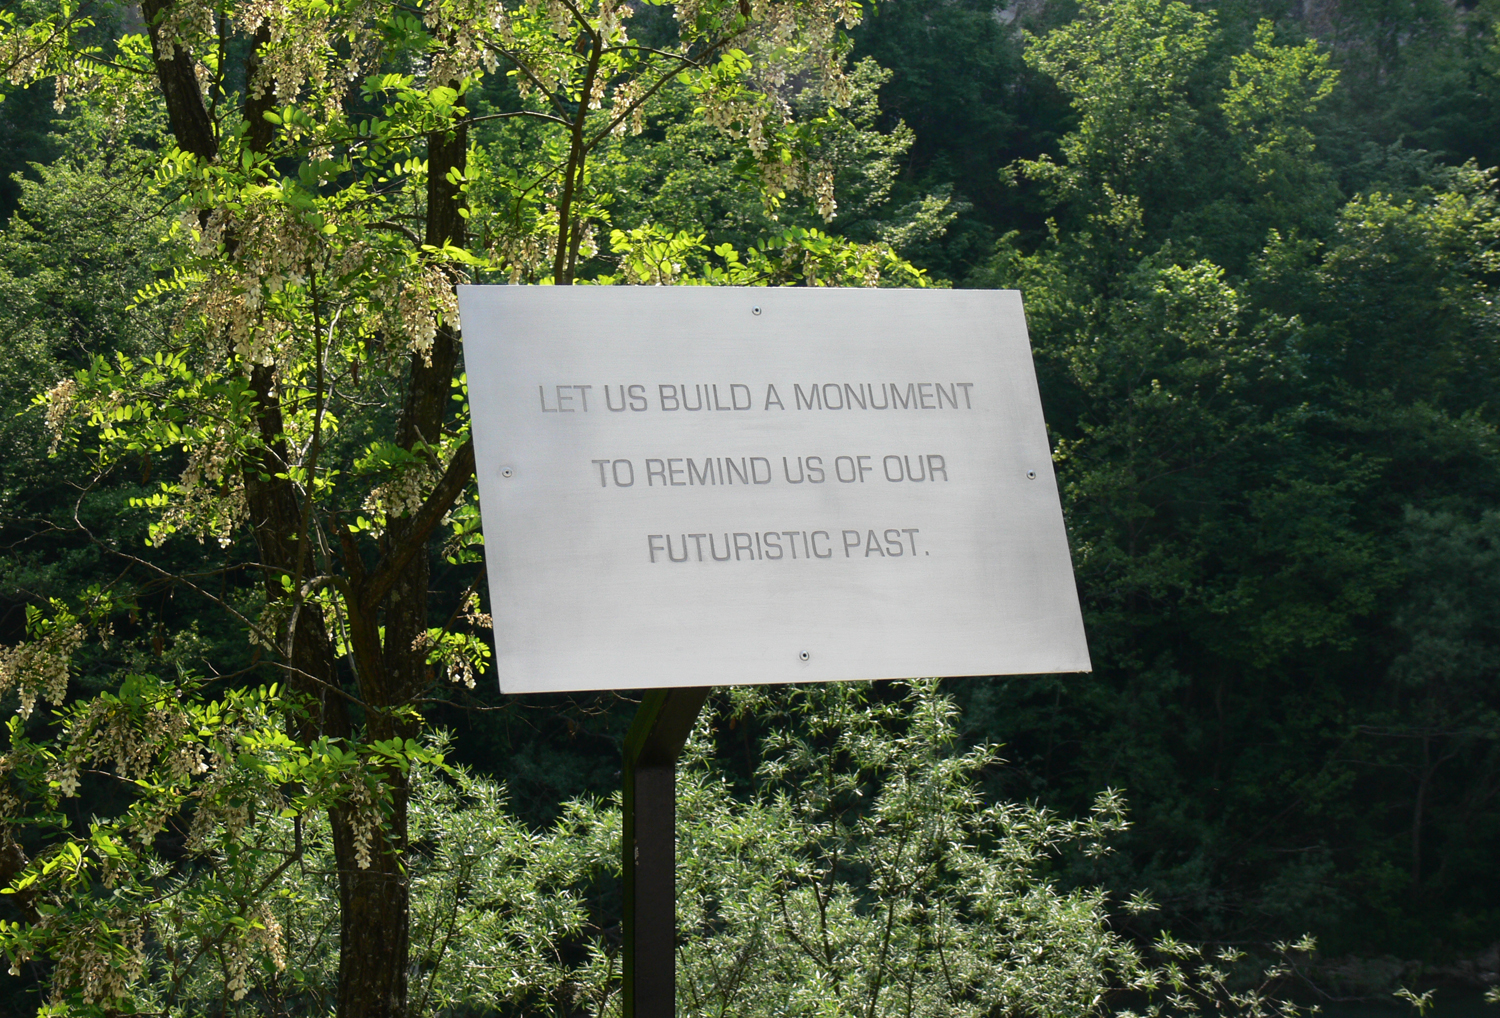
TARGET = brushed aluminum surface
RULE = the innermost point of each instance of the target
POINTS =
(748, 512)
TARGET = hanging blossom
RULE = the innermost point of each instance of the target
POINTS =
(308, 55)
(474, 616)
(624, 95)
(273, 250)
(21, 54)
(204, 513)
(827, 207)
(262, 933)
(186, 26)
(92, 963)
(363, 820)
(109, 734)
(402, 495)
(216, 814)
(423, 305)
(462, 655)
(789, 42)
(60, 400)
(210, 501)
(39, 668)
(465, 34)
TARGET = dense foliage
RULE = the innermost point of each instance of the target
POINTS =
(267, 407)
(1273, 396)
(1259, 244)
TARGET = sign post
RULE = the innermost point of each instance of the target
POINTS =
(648, 846)
(691, 485)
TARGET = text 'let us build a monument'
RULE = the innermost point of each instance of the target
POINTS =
(692, 486)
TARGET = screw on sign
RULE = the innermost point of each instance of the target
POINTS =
(719, 444)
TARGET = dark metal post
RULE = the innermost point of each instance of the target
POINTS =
(649, 846)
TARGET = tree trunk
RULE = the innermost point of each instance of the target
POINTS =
(374, 898)
(375, 919)
(179, 87)
(1418, 806)
(375, 942)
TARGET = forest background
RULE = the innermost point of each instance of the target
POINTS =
(1259, 246)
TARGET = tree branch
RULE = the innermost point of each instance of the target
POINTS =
(517, 113)
(454, 480)
(531, 77)
(683, 61)
(562, 267)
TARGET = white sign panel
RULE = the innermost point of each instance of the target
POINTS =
(693, 486)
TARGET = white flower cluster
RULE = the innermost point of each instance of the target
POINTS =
(458, 654)
(611, 22)
(108, 734)
(270, 936)
(39, 668)
(302, 57)
(363, 820)
(20, 54)
(456, 663)
(184, 25)
(824, 193)
(524, 253)
(66, 776)
(272, 250)
(465, 31)
(204, 512)
(92, 962)
(188, 760)
(205, 505)
(561, 18)
(60, 399)
(215, 817)
(10, 803)
(183, 759)
(550, 67)
(60, 87)
(475, 617)
(423, 304)
(627, 93)
(263, 933)
(790, 41)
(402, 495)
(461, 670)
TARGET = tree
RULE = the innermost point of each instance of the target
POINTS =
(1253, 382)
(862, 870)
(309, 401)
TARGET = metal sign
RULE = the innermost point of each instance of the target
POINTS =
(704, 485)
